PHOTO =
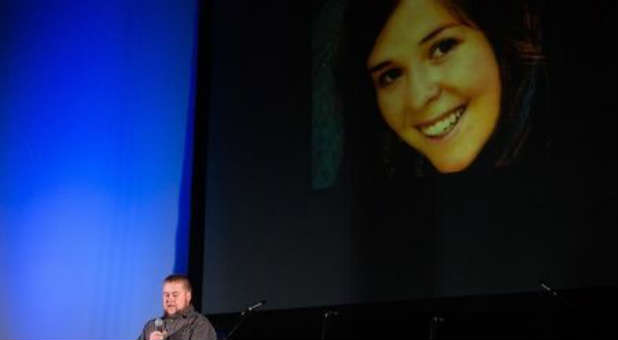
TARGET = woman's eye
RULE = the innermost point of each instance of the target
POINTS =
(442, 47)
(388, 77)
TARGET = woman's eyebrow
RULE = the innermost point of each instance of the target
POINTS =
(379, 66)
(437, 31)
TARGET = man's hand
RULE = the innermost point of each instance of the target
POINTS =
(156, 335)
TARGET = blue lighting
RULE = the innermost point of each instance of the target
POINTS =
(95, 141)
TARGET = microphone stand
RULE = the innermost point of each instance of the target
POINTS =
(324, 319)
(549, 291)
(243, 316)
(560, 307)
(434, 325)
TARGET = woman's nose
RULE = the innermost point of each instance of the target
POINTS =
(423, 87)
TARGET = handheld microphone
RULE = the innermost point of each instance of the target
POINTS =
(159, 325)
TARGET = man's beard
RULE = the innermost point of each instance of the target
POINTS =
(178, 312)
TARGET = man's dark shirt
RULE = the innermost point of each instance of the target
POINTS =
(187, 324)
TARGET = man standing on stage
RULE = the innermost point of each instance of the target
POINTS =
(180, 320)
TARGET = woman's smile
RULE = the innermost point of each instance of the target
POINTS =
(443, 125)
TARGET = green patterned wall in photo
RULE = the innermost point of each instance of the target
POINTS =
(326, 117)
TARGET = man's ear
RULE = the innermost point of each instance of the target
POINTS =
(189, 295)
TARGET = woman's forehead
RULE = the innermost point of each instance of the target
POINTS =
(409, 23)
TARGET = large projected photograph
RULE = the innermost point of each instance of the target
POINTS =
(414, 149)
(446, 85)
(465, 130)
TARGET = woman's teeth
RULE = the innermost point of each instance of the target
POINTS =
(444, 125)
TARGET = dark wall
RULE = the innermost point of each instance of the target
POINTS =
(268, 235)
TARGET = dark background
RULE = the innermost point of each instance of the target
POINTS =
(268, 235)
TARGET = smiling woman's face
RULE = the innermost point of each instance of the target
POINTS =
(437, 83)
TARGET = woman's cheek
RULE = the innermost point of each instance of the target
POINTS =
(478, 69)
(391, 109)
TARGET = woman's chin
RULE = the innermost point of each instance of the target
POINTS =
(452, 165)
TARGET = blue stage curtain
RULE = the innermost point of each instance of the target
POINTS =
(96, 101)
